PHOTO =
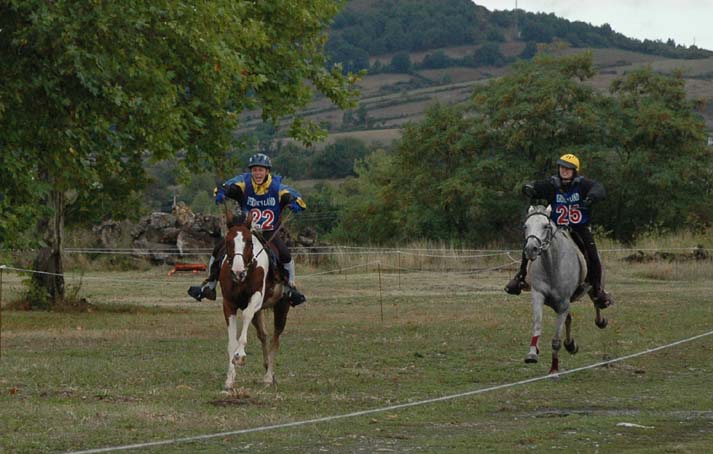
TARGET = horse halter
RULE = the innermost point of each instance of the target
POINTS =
(542, 244)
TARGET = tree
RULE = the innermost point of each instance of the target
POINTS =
(401, 63)
(659, 167)
(91, 90)
(488, 55)
(457, 174)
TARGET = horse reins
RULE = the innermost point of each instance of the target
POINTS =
(285, 218)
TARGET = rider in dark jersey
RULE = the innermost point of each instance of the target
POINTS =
(571, 197)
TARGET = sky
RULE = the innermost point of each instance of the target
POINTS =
(685, 21)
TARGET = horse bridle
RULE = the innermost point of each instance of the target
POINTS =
(246, 262)
(542, 245)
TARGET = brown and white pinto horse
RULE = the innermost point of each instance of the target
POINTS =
(249, 283)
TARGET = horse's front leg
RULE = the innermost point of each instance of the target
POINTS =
(557, 340)
(538, 301)
(255, 304)
(231, 318)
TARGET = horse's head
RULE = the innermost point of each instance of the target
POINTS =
(239, 243)
(539, 231)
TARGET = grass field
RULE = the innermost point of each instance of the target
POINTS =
(147, 365)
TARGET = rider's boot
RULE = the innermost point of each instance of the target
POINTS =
(517, 284)
(600, 298)
(207, 288)
(293, 295)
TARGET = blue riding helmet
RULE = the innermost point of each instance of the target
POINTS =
(261, 160)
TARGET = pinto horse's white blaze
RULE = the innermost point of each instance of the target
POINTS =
(248, 284)
(238, 245)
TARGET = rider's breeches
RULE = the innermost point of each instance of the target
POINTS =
(215, 260)
(584, 239)
(284, 255)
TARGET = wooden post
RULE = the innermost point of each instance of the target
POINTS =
(381, 301)
(398, 268)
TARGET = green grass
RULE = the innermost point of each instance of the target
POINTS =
(148, 365)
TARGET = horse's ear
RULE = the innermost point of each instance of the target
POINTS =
(548, 210)
(531, 209)
(243, 218)
(229, 218)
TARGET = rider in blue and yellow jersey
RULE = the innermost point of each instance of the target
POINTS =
(262, 196)
(571, 197)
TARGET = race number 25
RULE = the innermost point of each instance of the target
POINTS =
(568, 214)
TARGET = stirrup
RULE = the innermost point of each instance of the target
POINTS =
(196, 292)
(199, 292)
(294, 296)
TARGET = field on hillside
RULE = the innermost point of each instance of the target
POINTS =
(384, 335)
(392, 99)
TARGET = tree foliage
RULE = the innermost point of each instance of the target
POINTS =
(457, 174)
(374, 28)
(91, 90)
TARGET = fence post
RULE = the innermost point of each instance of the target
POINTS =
(381, 301)
(398, 269)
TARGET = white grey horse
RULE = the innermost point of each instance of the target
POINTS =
(556, 275)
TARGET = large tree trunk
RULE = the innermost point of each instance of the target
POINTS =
(49, 257)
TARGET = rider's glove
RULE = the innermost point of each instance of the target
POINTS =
(587, 203)
(219, 194)
(529, 190)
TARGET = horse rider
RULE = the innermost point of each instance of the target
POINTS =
(571, 197)
(262, 196)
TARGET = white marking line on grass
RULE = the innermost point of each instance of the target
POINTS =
(383, 409)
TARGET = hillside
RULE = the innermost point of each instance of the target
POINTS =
(413, 74)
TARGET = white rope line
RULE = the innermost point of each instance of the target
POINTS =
(363, 265)
(161, 281)
(340, 246)
(389, 408)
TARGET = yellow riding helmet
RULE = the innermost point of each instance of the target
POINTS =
(569, 160)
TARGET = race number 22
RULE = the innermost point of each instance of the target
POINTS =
(264, 220)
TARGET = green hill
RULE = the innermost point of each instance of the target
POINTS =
(420, 52)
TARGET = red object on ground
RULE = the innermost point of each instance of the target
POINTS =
(194, 267)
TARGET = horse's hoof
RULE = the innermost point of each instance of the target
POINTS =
(601, 324)
(531, 358)
(571, 347)
(239, 361)
(554, 374)
(227, 391)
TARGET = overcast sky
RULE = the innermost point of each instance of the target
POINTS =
(682, 20)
